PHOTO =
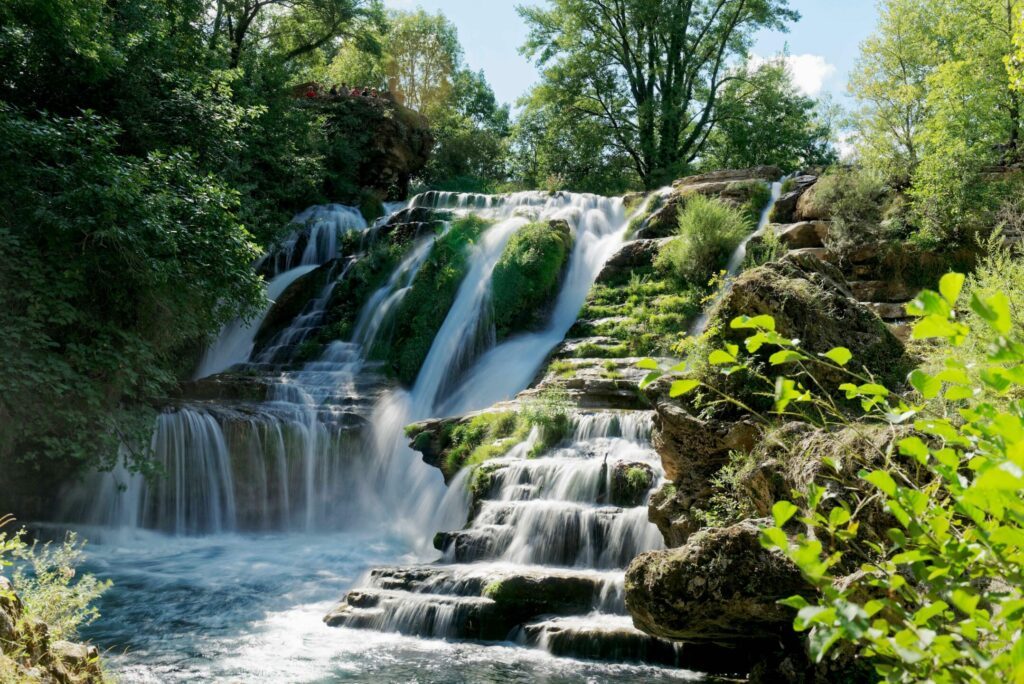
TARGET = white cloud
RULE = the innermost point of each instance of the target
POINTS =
(809, 72)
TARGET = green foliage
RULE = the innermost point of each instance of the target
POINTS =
(761, 250)
(763, 120)
(853, 199)
(48, 585)
(709, 231)
(486, 436)
(103, 290)
(638, 82)
(421, 63)
(939, 597)
(939, 107)
(426, 304)
(548, 412)
(526, 278)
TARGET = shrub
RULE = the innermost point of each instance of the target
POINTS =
(941, 599)
(853, 199)
(48, 585)
(526, 277)
(709, 232)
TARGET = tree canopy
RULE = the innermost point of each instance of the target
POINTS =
(648, 73)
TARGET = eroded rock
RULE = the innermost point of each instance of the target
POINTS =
(721, 586)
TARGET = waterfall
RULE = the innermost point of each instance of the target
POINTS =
(736, 261)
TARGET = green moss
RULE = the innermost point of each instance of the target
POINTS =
(486, 436)
(370, 207)
(425, 306)
(526, 277)
(562, 369)
(760, 196)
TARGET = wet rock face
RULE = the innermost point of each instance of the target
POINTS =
(721, 586)
(784, 210)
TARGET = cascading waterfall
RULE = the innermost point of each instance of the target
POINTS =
(324, 450)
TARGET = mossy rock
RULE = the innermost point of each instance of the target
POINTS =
(525, 280)
(426, 304)
(809, 301)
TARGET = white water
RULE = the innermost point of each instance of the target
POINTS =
(319, 233)
(291, 463)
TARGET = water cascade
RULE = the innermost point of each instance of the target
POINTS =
(292, 449)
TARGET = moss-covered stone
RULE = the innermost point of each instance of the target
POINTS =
(426, 305)
(525, 280)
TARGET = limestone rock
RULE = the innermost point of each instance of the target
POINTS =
(721, 586)
(811, 302)
(803, 234)
(785, 207)
(808, 208)
(632, 255)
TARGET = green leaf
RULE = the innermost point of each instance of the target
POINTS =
(840, 355)
(950, 286)
(782, 511)
(995, 310)
(928, 386)
(785, 356)
(720, 357)
(647, 364)
(681, 387)
(649, 378)
(763, 322)
(882, 480)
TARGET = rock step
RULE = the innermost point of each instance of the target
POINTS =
(889, 311)
(613, 638)
(424, 615)
(550, 532)
(588, 589)
(885, 291)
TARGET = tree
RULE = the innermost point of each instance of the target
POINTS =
(422, 63)
(298, 26)
(762, 119)
(890, 81)
(648, 72)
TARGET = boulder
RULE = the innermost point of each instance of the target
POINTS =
(632, 255)
(785, 206)
(802, 234)
(810, 301)
(630, 483)
(808, 208)
(722, 586)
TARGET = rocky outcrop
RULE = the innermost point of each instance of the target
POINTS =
(735, 187)
(633, 255)
(394, 143)
(784, 210)
(811, 302)
(28, 653)
(721, 586)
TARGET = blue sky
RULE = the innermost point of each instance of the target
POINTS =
(823, 44)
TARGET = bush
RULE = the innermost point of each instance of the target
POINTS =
(940, 598)
(48, 585)
(853, 198)
(709, 232)
(526, 278)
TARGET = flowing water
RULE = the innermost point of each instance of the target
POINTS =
(271, 510)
